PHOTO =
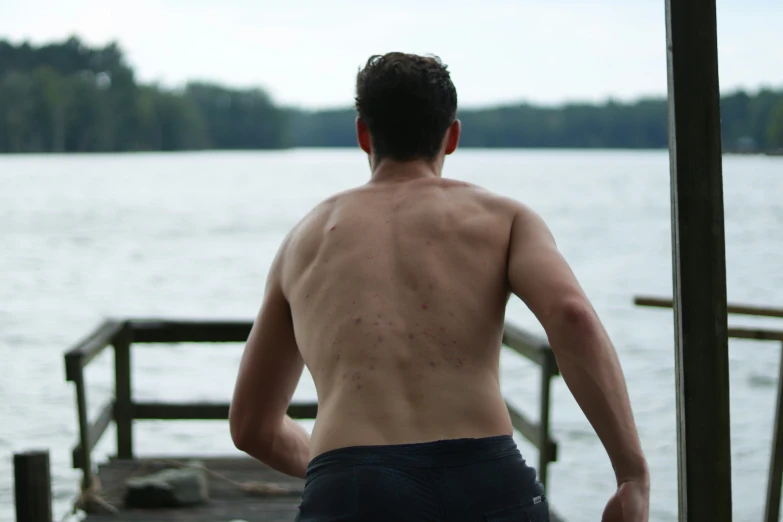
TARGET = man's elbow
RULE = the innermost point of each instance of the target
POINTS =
(249, 435)
(572, 314)
(574, 331)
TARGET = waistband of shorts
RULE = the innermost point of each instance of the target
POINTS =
(441, 453)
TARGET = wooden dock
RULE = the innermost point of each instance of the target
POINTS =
(229, 498)
(227, 501)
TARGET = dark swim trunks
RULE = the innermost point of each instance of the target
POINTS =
(463, 480)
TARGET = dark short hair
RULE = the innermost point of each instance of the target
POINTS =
(408, 103)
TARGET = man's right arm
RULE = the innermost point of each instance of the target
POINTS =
(539, 275)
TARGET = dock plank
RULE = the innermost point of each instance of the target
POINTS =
(227, 501)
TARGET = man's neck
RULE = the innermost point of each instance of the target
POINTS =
(389, 170)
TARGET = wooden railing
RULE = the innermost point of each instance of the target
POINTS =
(760, 311)
(775, 477)
(123, 410)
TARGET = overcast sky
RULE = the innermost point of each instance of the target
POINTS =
(307, 52)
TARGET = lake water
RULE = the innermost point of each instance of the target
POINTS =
(192, 235)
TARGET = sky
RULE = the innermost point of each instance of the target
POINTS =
(306, 53)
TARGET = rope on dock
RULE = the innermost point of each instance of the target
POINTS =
(90, 501)
(253, 487)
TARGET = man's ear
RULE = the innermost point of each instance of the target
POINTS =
(452, 136)
(363, 136)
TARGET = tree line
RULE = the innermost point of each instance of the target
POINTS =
(68, 97)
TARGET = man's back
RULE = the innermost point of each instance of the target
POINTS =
(397, 292)
(393, 294)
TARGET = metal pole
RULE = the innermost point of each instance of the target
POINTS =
(699, 263)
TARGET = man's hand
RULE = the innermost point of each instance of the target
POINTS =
(631, 503)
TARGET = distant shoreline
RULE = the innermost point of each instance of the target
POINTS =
(764, 153)
(68, 97)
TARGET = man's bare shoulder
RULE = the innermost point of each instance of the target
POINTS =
(526, 224)
(321, 212)
(306, 232)
(493, 199)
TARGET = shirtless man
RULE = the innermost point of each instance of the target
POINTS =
(394, 296)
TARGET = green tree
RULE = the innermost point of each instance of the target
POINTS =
(18, 129)
(237, 119)
(775, 129)
(173, 121)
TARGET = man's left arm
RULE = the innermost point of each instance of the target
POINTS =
(268, 375)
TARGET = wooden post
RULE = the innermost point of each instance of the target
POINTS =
(544, 455)
(32, 487)
(775, 480)
(84, 429)
(123, 406)
(699, 263)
